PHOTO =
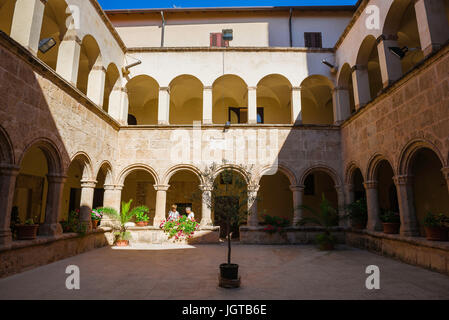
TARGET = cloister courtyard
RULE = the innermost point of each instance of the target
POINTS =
(190, 272)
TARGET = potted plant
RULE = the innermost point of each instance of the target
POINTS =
(142, 218)
(436, 227)
(228, 198)
(391, 222)
(326, 217)
(275, 224)
(27, 231)
(181, 229)
(358, 214)
(96, 217)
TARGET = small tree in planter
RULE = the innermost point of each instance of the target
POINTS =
(358, 213)
(391, 222)
(229, 199)
(436, 226)
(326, 217)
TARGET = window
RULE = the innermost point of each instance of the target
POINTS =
(313, 40)
(240, 115)
(216, 40)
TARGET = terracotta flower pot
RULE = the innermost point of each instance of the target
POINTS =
(391, 227)
(142, 223)
(436, 233)
(27, 232)
(95, 224)
(122, 243)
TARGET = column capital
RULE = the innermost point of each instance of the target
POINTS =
(207, 87)
(253, 188)
(56, 178)
(402, 180)
(372, 184)
(88, 183)
(206, 188)
(161, 187)
(72, 37)
(252, 88)
(164, 89)
(9, 169)
(445, 172)
(298, 88)
(339, 88)
(297, 188)
(358, 67)
(383, 37)
(349, 187)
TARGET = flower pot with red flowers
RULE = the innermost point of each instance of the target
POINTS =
(142, 218)
(96, 217)
(436, 227)
(391, 222)
(27, 231)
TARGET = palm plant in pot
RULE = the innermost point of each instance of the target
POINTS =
(358, 213)
(391, 222)
(229, 199)
(326, 217)
(436, 227)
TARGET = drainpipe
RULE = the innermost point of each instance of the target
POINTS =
(163, 29)
(290, 27)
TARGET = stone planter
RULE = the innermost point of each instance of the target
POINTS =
(229, 276)
(122, 243)
(436, 233)
(391, 227)
(27, 232)
(142, 223)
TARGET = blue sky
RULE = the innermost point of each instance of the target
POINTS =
(140, 4)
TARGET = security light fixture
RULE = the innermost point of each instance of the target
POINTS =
(125, 70)
(227, 35)
(330, 65)
(46, 44)
(401, 52)
(227, 126)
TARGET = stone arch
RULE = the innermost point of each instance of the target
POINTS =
(344, 82)
(350, 171)
(84, 159)
(229, 90)
(320, 167)
(373, 163)
(274, 95)
(112, 80)
(186, 99)
(236, 168)
(125, 172)
(407, 153)
(182, 167)
(51, 152)
(90, 61)
(368, 58)
(280, 168)
(143, 96)
(6, 149)
(109, 173)
(317, 100)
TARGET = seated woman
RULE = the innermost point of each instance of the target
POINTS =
(190, 214)
(173, 214)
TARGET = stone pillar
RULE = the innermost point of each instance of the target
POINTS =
(360, 83)
(409, 223)
(340, 99)
(253, 218)
(116, 107)
(95, 84)
(252, 105)
(390, 65)
(432, 24)
(207, 105)
(296, 105)
(206, 202)
(8, 175)
(112, 199)
(163, 112)
(349, 198)
(27, 23)
(51, 226)
(445, 172)
(86, 203)
(69, 58)
(372, 202)
(341, 206)
(161, 200)
(298, 196)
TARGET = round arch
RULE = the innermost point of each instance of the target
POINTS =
(274, 96)
(351, 168)
(280, 168)
(323, 168)
(125, 172)
(106, 168)
(51, 152)
(236, 168)
(368, 57)
(84, 160)
(90, 59)
(182, 167)
(317, 101)
(6, 149)
(345, 82)
(186, 99)
(143, 96)
(373, 165)
(229, 99)
(111, 80)
(407, 153)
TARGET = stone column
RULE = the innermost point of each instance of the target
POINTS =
(86, 202)
(360, 83)
(445, 172)
(116, 101)
(206, 202)
(112, 199)
(390, 65)
(8, 175)
(161, 200)
(95, 84)
(409, 223)
(296, 105)
(341, 206)
(207, 105)
(69, 58)
(253, 219)
(163, 112)
(298, 196)
(372, 202)
(27, 23)
(432, 24)
(340, 98)
(51, 226)
(252, 105)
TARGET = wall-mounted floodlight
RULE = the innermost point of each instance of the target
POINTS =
(330, 65)
(227, 126)
(46, 44)
(126, 71)
(228, 34)
(401, 52)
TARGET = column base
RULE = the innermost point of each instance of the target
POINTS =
(86, 226)
(5, 238)
(206, 223)
(50, 229)
(409, 232)
(157, 222)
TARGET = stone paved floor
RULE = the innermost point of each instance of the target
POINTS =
(187, 272)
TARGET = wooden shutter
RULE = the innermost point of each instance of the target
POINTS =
(313, 40)
(216, 40)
